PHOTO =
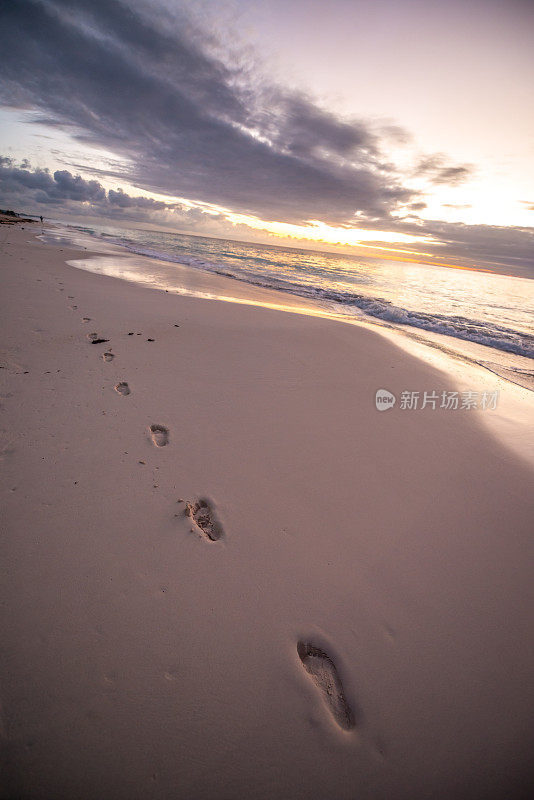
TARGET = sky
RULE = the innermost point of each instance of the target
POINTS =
(397, 127)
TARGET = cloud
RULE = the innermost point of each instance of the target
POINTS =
(74, 187)
(32, 189)
(142, 83)
(436, 169)
(528, 204)
(452, 175)
(484, 245)
(63, 193)
(123, 200)
(395, 133)
(65, 189)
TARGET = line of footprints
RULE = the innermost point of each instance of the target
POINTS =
(317, 663)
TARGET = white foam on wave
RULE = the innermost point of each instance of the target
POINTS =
(480, 332)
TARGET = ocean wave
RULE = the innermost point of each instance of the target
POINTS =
(344, 301)
(490, 335)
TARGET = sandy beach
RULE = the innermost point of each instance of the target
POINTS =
(226, 575)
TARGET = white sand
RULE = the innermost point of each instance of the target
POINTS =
(141, 659)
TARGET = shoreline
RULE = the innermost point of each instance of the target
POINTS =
(512, 421)
(467, 348)
(144, 658)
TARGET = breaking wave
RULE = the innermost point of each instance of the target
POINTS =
(264, 269)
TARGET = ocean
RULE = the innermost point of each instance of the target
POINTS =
(443, 305)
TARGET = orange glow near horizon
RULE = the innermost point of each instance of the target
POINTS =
(332, 236)
(320, 233)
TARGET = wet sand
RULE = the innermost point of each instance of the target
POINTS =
(226, 574)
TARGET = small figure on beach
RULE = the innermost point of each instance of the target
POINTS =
(41, 220)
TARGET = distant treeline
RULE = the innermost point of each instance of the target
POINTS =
(12, 215)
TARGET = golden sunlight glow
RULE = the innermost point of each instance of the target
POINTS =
(323, 234)
(319, 231)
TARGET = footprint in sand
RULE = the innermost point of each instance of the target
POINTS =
(107, 356)
(86, 319)
(202, 514)
(122, 388)
(159, 435)
(94, 338)
(324, 674)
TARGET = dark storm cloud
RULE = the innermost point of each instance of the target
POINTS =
(143, 84)
(438, 171)
(123, 200)
(298, 126)
(24, 184)
(71, 187)
(47, 188)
